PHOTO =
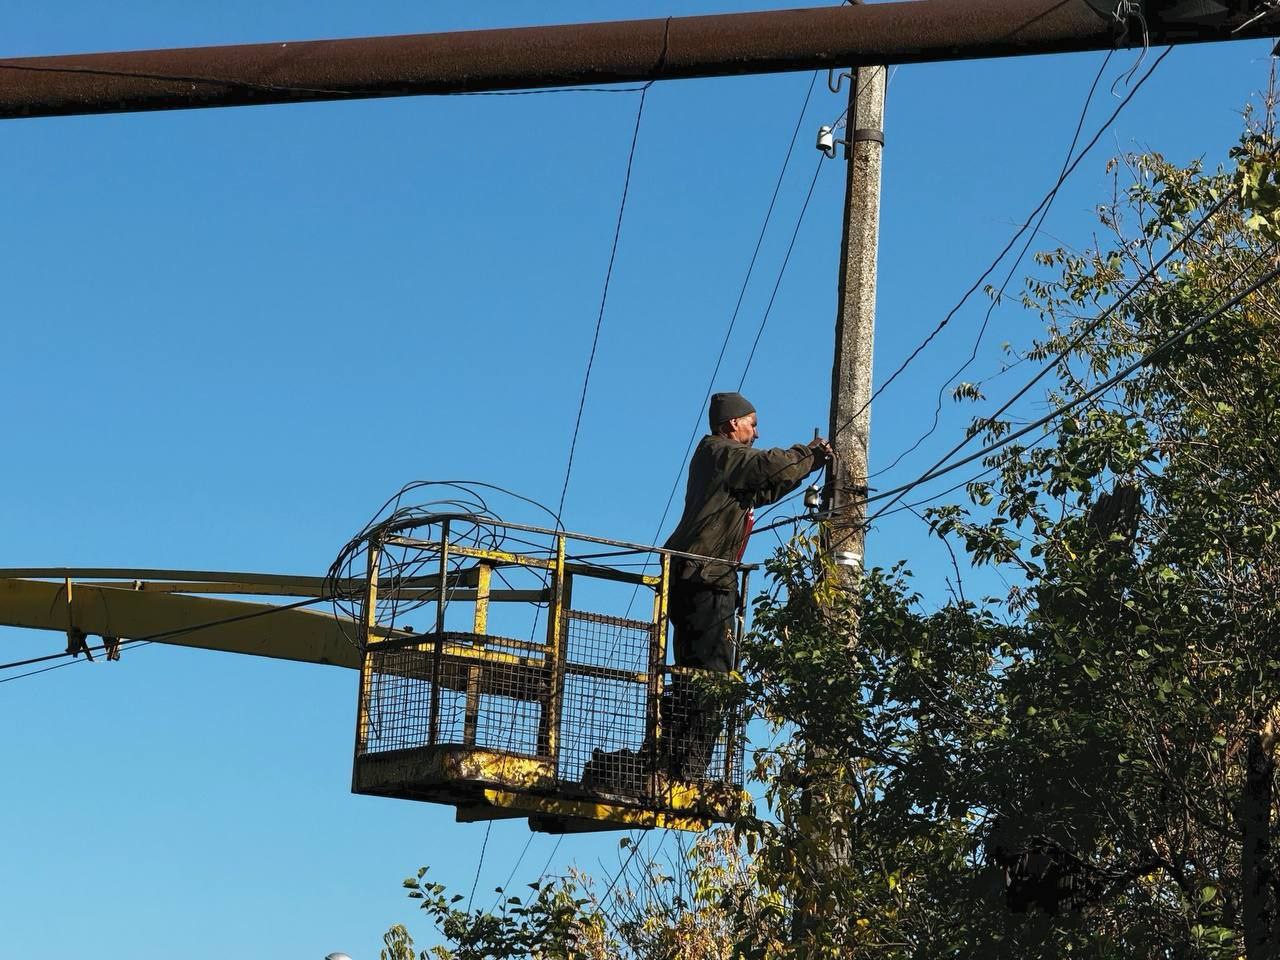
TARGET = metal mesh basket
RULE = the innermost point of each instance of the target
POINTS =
(585, 724)
(498, 706)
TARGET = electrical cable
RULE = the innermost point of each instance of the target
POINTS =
(480, 863)
(1013, 267)
(1069, 167)
(635, 848)
(58, 666)
(32, 673)
(781, 272)
(1041, 210)
(54, 656)
(952, 489)
(1009, 246)
(176, 632)
(512, 875)
(1048, 367)
(604, 297)
(733, 318)
(475, 524)
(1070, 348)
(635, 135)
(551, 856)
(897, 492)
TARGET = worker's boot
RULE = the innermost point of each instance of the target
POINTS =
(616, 771)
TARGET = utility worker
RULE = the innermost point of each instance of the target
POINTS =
(728, 479)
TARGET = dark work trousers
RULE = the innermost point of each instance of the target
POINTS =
(703, 620)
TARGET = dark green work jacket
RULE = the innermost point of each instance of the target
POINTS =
(726, 479)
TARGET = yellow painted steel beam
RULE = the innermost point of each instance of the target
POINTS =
(150, 573)
(260, 584)
(495, 557)
(305, 636)
(603, 812)
(251, 588)
(606, 573)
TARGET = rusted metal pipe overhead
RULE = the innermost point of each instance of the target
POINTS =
(596, 53)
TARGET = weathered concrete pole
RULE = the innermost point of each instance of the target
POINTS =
(850, 429)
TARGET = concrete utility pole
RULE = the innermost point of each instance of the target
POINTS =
(855, 318)
(851, 369)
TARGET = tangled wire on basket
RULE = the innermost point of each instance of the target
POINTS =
(472, 522)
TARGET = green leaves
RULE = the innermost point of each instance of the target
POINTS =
(923, 752)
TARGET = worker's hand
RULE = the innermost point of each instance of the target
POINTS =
(821, 449)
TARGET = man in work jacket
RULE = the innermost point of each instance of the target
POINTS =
(728, 479)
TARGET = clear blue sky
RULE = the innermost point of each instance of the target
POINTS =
(230, 334)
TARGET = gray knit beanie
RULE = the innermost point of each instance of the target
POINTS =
(727, 406)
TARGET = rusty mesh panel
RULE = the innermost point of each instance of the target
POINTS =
(490, 705)
(702, 739)
(605, 700)
(396, 703)
(607, 709)
(510, 708)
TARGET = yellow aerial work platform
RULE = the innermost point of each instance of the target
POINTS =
(577, 724)
(574, 725)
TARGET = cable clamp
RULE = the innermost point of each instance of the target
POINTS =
(77, 643)
(1125, 13)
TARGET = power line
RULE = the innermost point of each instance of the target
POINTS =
(1090, 327)
(765, 319)
(52, 656)
(781, 272)
(551, 856)
(897, 492)
(733, 318)
(177, 632)
(480, 863)
(582, 402)
(1031, 236)
(604, 297)
(56, 666)
(635, 848)
(516, 866)
(1009, 246)
(1146, 276)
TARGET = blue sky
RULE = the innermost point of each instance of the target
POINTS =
(231, 334)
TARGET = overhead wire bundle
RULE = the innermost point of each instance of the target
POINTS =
(945, 464)
(473, 522)
(1029, 227)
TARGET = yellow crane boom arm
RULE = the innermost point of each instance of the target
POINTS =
(137, 609)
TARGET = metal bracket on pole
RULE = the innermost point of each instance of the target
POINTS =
(836, 79)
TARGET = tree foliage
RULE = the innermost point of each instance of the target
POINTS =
(1083, 767)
